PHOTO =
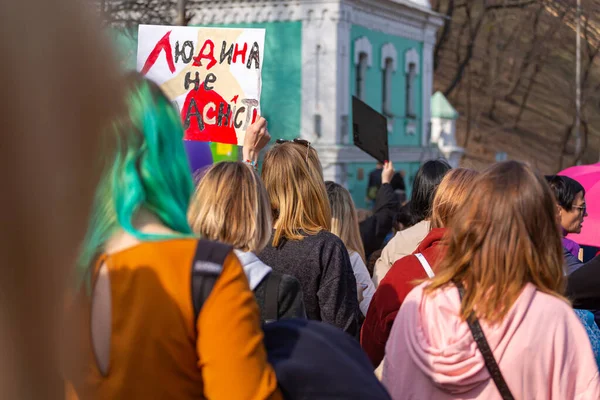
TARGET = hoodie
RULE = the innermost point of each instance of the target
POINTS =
(255, 269)
(541, 349)
(391, 292)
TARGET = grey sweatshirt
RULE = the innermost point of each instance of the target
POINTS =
(322, 265)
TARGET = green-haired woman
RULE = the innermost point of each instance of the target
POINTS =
(135, 278)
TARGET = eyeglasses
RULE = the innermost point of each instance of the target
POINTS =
(299, 141)
(583, 208)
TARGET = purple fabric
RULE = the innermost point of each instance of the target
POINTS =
(571, 246)
(199, 154)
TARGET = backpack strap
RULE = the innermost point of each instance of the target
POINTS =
(206, 269)
(425, 265)
(272, 297)
(486, 352)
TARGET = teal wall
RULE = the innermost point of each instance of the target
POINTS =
(358, 188)
(125, 46)
(374, 97)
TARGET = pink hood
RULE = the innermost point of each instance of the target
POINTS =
(443, 347)
(540, 346)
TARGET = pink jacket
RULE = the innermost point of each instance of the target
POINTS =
(541, 348)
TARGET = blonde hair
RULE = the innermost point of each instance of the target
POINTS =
(503, 236)
(344, 219)
(296, 191)
(450, 194)
(230, 205)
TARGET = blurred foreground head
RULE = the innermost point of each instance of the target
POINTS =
(58, 90)
(503, 236)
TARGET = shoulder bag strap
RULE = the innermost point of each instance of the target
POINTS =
(272, 297)
(425, 265)
(206, 269)
(486, 352)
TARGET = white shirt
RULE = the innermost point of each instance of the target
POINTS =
(361, 274)
(255, 269)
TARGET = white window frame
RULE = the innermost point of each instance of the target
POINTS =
(411, 58)
(389, 64)
(363, 59)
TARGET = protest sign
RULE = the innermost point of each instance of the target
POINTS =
(370, 130)
(212, 74)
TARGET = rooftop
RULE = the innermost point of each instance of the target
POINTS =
(441, 107)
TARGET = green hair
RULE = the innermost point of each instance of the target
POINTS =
(148, 169)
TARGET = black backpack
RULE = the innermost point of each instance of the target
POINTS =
(206, 269)
(311, 359)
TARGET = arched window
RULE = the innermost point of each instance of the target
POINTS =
(387, 87)
(388, 67)
(362, 61)
(410, 90)
(361, 70)
(411, 69)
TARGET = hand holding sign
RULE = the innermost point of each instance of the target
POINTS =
(256, 138)
(388, 172)
(213, 74)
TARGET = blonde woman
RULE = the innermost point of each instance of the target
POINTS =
(344, 224)
(390, 294)
(302, 245)
(501, 280)
(230, 205)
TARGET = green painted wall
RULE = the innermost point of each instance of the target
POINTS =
(374, 82)
(125, 46)
(374, 97)
(358, 187)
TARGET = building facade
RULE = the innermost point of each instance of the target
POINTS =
(318, 54)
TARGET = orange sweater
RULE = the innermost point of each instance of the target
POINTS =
(155, 352)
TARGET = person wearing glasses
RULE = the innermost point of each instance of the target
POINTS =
(302, 244)
(570, 199)
(493, 322)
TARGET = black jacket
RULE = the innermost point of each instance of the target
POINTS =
(374, 229)
(583, 286)
(289, 297)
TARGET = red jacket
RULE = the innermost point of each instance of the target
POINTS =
(391, 293)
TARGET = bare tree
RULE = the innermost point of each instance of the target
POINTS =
(516, 60)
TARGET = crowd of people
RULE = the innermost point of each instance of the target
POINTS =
(281, 266)
(258, 280)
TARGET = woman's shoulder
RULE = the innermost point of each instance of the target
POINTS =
(420, 229)
(152, 248)
(327, 239)
(174, 252)
(551, 305)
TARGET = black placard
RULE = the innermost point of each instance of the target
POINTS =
(370, 130)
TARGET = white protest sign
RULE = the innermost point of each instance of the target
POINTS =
(213, 74)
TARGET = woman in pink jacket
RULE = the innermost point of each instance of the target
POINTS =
(504, 251)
